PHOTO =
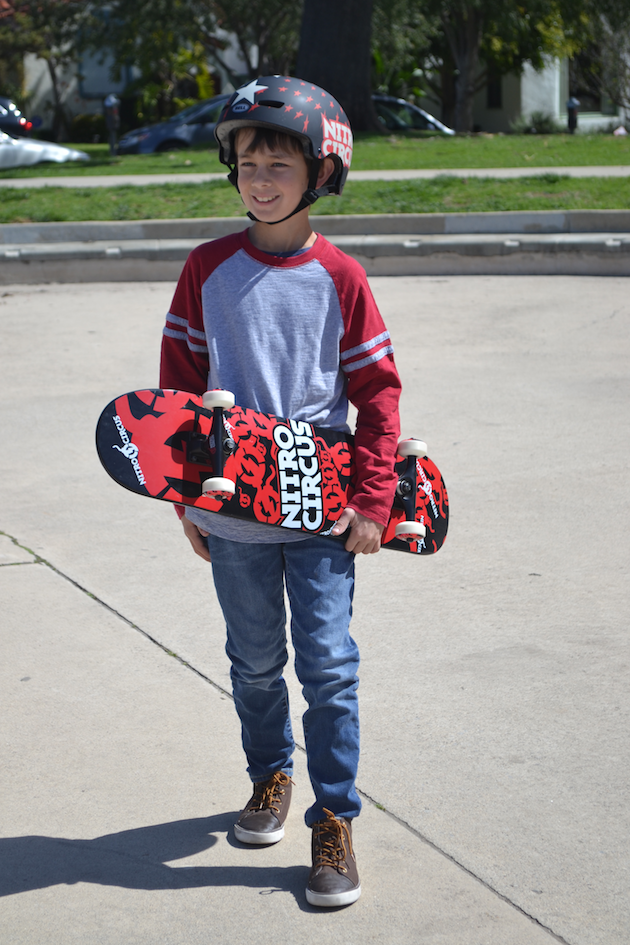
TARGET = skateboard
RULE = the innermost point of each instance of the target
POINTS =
(213, 455)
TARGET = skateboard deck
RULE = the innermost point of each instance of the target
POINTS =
(262, 468)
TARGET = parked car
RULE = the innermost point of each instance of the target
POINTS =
(21, 152)
(398, 115)
(195, 125)
(12, 121)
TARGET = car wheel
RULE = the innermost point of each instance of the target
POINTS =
(172, 146)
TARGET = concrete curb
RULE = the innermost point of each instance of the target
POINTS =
(590, 242)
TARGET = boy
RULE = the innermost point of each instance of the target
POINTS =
(285, 321)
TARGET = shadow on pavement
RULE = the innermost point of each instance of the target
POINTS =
(137, 859)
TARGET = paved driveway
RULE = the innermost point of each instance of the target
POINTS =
(494, 678)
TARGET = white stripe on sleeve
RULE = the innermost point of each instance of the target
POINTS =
(371, 359)
(359, 349)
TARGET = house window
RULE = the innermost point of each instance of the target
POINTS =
(494, 92)
(587, 82)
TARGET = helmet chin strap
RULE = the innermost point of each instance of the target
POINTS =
(310, 195)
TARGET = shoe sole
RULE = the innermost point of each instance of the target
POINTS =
(326, 900)
(258, 839)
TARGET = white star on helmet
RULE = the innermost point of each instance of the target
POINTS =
(248, 92)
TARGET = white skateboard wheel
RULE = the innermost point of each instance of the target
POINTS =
(412, 447)
(410, 531)
(218, 488)
(218, 398)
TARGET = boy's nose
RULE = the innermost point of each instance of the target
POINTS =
(261, 175)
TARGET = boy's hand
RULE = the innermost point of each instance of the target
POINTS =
(365, 534)
(193, 534)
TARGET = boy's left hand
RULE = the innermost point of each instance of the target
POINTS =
(365, 534)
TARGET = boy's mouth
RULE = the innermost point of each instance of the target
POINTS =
(265, 200)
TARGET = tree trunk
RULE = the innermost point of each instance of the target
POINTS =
(448, 93)
(464, 32)
(335, 53)
(60, 123)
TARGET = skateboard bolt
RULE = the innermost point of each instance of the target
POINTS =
(404, 487)
(228, 445)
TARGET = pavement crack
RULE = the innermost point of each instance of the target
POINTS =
(38, 559)
(17, 564)
(112, 610)
(420, 836)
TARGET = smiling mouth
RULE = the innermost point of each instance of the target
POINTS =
(265, 200)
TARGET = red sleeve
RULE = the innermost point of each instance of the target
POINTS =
(373, 387)
(184, 362)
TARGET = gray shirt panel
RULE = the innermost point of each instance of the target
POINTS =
(273, 337)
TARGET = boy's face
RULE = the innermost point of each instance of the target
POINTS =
(271, 182)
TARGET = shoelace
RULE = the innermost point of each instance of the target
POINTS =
(330, 842)
(269, 791)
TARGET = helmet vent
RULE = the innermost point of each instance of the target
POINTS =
(270, 103)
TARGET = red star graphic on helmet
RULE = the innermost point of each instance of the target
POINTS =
(282, 88)
(297, 91)
(255, 105)
(305, 126)
(310, 98)
(318, 106)
(288, 108)
(298, 115)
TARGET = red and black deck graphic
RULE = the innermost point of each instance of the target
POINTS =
(431, 507)
(288, 473)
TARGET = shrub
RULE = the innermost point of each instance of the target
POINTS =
(88, 129)
(538, 123)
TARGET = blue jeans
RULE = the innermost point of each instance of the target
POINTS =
(319, 576)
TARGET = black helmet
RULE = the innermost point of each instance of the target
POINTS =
(295, 107)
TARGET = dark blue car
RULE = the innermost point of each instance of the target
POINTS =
(193, 126)
(398, 115)
(12, 121)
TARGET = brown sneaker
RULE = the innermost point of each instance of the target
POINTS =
(333, 880)
(262, 821)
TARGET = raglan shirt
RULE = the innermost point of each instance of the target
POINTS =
(295, 336)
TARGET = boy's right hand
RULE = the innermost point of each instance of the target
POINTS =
(194, 536)
(365, 534)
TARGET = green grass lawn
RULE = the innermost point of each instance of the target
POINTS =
(442, 195)
(375, 152)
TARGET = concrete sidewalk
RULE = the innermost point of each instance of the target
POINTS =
(146, 180)
(495, 704)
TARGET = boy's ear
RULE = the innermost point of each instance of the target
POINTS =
(327, 167)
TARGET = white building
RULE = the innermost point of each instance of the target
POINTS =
(508, 98)
(511, 97)
(86, 83)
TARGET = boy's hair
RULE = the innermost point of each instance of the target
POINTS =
(270, 139)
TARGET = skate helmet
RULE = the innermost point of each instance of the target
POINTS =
(296, 107)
